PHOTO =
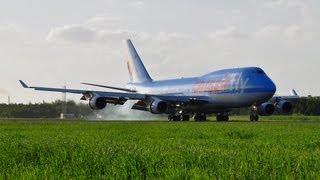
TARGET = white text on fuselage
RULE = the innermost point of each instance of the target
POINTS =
(230, 82)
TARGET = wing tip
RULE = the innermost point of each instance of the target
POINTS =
(294, 93)
(23, 84)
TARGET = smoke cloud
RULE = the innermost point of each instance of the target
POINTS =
(125, 113)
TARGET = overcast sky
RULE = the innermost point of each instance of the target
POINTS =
(52, 43)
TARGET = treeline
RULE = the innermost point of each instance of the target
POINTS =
(308, 106)
(43, 110)
(305, 106)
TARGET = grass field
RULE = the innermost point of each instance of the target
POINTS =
(32, 149)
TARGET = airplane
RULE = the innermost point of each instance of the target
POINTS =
(217, 92)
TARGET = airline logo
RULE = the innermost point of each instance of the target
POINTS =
(229, 82)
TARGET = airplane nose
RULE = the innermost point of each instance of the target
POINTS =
(271, 87)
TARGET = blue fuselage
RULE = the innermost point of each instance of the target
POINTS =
(228, 88)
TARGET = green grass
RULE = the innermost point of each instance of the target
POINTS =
(152, 150)
(275, 118)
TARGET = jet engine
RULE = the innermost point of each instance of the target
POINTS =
(284, 107)
(266, 109)
(158, 107)
(97, 103)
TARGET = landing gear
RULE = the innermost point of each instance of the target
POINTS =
(184, 117)
(222, 117)
(181, 117)
(200, 117)
(254, 116)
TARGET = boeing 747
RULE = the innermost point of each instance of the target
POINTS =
(218, 92)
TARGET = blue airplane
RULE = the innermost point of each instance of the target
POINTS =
(215, 93)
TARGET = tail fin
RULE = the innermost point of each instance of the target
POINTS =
(137, 71)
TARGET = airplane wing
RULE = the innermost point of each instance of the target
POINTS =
(121, 97)
(293, 96)
(111, 97)
(109, 87)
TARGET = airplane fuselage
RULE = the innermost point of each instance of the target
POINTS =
(228, 88)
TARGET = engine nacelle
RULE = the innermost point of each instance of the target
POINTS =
(97, 103)
(284, 107)
(158, 107)
(266, 109)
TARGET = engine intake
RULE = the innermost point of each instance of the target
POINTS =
(284, 107)
(97, 103)
(266, 109)
(158, 107)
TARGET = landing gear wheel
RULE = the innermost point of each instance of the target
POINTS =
(184, 117)
(254, 117)
(200, 117)
(176, 118)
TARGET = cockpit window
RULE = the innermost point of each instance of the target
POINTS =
(258, 71)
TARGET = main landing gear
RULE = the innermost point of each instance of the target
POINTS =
(200, 117)
(185, 117)
(222, 117)
(181, 117)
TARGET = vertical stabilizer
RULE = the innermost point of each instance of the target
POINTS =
(137, 71)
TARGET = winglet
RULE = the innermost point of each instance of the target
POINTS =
(294, 93)
(23, 84)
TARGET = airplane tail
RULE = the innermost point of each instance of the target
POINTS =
(137, 71)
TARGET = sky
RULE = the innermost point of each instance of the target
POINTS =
(57, 43)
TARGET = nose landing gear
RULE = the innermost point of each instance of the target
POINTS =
(254, 116)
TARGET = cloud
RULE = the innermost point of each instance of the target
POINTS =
(280, 32)
(230, 32)
(274, 3)
(85, 34)
(10, 34)
(72, 33)
(101, 29)
(284, 3)
(138, 4)
(268, 31)
(293, 32)
(102, 19)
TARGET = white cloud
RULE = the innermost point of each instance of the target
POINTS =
(272, 31)
(284, 3)
(10, 34)
(85, 34)
(293, 32)
(97, 30)
(102, 19)
(230, 32)
(72, 33)
(138, 3)
(269, 31)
